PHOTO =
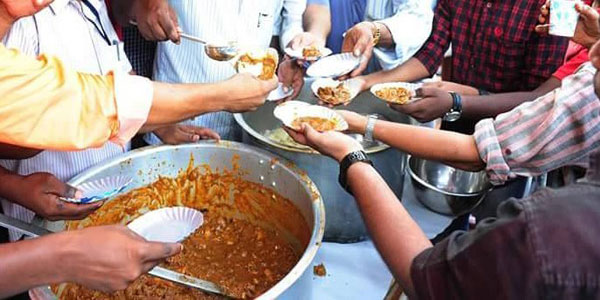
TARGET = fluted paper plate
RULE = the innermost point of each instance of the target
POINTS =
(334, 65)
(100, 189)
(288, 113)
(278, 93)
(297, 53)
(254, 69)
(167, 225)
(412, 87)
(353, 86)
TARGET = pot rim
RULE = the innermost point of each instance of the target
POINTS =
(428, 185)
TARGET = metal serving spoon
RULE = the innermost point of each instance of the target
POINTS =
(160, 272)
(214, 51)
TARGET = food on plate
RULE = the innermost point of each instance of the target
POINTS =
(334, 95)
(311, 51)
(317, 123)
(251, 237)
(263, 64)
(397, 95)
(319, 270)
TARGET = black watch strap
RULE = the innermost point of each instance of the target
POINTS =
(350, 159)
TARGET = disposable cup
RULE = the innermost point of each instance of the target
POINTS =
(563, 17)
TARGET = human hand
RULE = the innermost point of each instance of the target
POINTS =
(109, 258)
(331, 143)
(183, 134)
(245, 92)
(156, 20)
(357, 123)
(291, 75)
(40, 192)
(359, 41)
(447, 86)
(305, 39)
(587, 31)
(15, 9)
(434, 104)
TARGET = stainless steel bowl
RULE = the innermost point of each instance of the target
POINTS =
(145, 165)
(447, 190)
(344, 222)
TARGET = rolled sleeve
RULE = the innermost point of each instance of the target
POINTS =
(293, 10)
(416, 15)
(490, 152)
(133, 97)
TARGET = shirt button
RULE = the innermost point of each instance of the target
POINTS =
(489, 5)
(498, 31)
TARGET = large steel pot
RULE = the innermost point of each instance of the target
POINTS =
(146, 164)
(344, 223)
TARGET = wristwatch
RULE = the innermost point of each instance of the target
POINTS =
(370, 127)
(349, 160)
(456, 110)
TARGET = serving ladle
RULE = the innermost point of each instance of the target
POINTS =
(218, 52)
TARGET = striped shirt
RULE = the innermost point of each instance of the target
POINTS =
(557, 129)
(66, 22)
(245, 21)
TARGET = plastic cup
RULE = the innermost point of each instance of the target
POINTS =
(563, 17)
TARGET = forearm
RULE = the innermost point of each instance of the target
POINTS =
(173, 103)
(317, 21)
(481, 107)
(30, 263)
(14, 152)
(459, 150)
(409, 71)
(397, 237)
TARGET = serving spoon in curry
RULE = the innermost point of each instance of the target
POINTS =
(160, 272)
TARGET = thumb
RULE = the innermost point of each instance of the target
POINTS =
(154, 251)
(586, 13)
(62, 189)
(310, 133)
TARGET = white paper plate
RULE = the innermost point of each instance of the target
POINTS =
(287, 113)
(254, 69)
(334, 66)
(353, 86)
(278, 93)
(297, 53)
(167, 225)
(100, 189)
(412, 87)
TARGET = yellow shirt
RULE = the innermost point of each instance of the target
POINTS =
(44, 105)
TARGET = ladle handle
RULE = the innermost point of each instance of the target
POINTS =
(183, 35)
(22, 227)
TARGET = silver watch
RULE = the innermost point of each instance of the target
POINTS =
(370, 127)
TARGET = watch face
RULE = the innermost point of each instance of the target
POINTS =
(452, 116)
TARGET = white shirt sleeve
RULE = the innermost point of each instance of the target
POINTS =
(291, 23)
(133, 96)
(410, 27)
(23, 36)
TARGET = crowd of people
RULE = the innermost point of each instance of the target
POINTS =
(517, 101)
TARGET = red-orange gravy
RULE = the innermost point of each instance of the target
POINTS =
(251, 236)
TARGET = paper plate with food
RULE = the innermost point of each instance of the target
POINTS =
(100, 189)
(396, 92)
(167, 225)
(261, 63)
(318, 117)
(310, 53)
(335, 92)
(334, 65)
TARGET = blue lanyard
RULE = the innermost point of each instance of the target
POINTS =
(99, 28)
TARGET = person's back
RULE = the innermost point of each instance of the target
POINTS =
(542, 247)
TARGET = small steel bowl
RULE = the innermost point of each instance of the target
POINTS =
(447, 190)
